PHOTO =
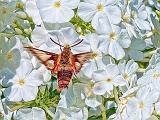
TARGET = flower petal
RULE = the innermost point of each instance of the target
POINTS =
(29, 93)
(86, 11)
(113, 13)
(101, 87)
(116, 51)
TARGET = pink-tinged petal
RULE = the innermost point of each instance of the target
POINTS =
(29, 93)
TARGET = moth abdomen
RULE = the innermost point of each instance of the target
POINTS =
(64, 77)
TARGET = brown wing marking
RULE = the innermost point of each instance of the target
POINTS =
(49, 59)
(80, 59)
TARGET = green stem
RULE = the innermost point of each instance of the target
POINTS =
(103, 109)
(115, 92)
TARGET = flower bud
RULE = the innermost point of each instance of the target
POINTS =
(28, 31)
(79, 30)
(18, 31)
(21, 15)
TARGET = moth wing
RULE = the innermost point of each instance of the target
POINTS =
(49, 59)
(80, 59)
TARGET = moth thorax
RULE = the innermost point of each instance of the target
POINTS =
(50, 64)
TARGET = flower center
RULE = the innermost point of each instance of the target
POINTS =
(4, 10)
(21, 82)
(57, 4)
(94, 55)
(126, 18)
(9, 55)
(112, 36)
(109, 80)
(141, 105)
(100, 7)
(156, 75)
(125, 75)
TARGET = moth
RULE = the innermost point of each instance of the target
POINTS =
(63, 65)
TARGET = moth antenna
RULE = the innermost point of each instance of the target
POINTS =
(77, 43)
(59, 43)
(56, 43)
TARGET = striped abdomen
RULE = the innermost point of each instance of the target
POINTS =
(64, 77)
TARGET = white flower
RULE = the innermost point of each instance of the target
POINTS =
(151, 78)
(30, 114)
(24, 85)
(127, 71)
(96, 45)
(106, 79)
(57, 11)
(9, 55)
(141, 106)
(32, 10)
(121, 113)
(136, 53)
(39, 36)
(136, 15)
(71, 114)
(92, 10)
(70, 106)
(115, 40)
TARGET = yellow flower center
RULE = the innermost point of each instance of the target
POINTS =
(4, 10)
(125, 75)
(21, 82)
(112, 36)
(109, 80)
(100, 7)
(126, 18)
(57, 4)
(156, 74)
(94, 55)
(141, 105)
(9, 55)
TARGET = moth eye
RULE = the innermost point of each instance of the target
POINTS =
(50, 64)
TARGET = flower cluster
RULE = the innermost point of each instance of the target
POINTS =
(119, 81)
